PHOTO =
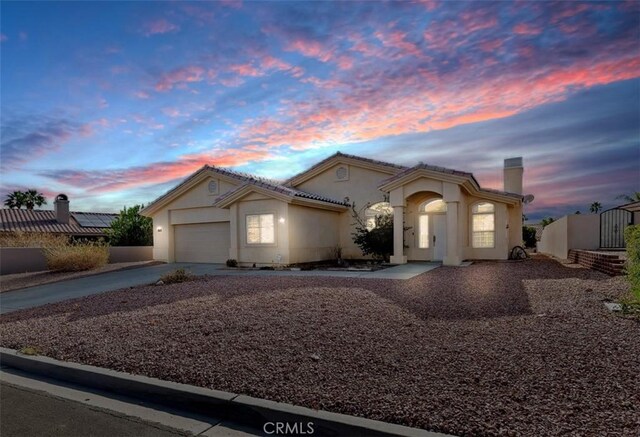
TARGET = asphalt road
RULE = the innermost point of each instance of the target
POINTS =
(25, 412)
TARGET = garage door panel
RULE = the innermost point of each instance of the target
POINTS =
(202, 242)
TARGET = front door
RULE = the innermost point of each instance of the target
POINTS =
(439, 236)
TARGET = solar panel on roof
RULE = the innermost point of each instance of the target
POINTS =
(93, 220)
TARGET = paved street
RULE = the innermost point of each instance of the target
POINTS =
(25, 412)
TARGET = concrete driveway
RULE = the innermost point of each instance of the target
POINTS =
(73, 288)
(70, 289)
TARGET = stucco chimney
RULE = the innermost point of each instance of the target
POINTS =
(513, 172)
(61, 207)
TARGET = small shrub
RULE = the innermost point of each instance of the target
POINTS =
(77, 256)
(32, 239)
(232, 263)
(632, 268)
(177, 276)
(30, 350)
(529, 237)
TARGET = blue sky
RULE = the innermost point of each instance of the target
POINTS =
(115, 102)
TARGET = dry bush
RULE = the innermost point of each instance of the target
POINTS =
(177, 276)
(76, 257)
(32, 239)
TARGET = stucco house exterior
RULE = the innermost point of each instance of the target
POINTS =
(218, 214)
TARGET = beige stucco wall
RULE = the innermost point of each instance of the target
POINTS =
(193, 206)
(263, 254)
(506, 238)
(313, 233)
(361, 188)
(31, 259)
(576, 231)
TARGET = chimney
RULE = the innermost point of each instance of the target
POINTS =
(513, 172)
(61, 208)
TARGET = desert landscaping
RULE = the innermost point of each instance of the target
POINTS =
(495, 348)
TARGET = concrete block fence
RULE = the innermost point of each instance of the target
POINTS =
(31, 259)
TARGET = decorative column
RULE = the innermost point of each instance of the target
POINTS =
(452, 258)
(398, 256)
(233, 229)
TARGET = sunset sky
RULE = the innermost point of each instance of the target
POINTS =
(114, 103)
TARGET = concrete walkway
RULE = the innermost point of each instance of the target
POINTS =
(86, 286)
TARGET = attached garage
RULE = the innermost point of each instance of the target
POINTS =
(202, 242)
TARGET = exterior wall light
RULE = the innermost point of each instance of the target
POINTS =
(281, 220)
(159, 229)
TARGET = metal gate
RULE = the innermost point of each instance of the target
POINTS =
(613, 222)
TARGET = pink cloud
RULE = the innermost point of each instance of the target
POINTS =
(3, 37)
(114, 180)
(384, 108)
(142, 94)
(398, 40)
(526, 29)
(246, 70)
(158, 27)
(184, 75)
(310, 49)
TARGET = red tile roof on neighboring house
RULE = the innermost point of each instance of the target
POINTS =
(24, 220)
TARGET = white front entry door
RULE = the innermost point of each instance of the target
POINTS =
(439, 236)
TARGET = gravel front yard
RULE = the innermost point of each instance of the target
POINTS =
(480, 350)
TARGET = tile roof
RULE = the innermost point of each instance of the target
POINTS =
(346, 155)
(279, 188)
(24, 220)
(248, 179)
(444, 170)
(423, 166)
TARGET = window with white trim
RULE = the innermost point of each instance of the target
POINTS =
(376, 210)
(261, 229)
(483, 225)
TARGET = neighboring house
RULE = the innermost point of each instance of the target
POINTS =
(58, 221)
(218, 214)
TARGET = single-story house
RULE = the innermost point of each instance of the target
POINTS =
(59, 221)
(438, 213)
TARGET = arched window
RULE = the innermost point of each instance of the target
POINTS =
(437, 205)
(483, 225)
(376, 210)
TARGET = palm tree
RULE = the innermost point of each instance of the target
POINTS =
(33, 198)
(595, 207)
(15, 200)
(28, 199)
(630, 198)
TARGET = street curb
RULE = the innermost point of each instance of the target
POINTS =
(240, 409)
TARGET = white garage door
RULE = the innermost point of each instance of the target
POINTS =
(202, 242)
